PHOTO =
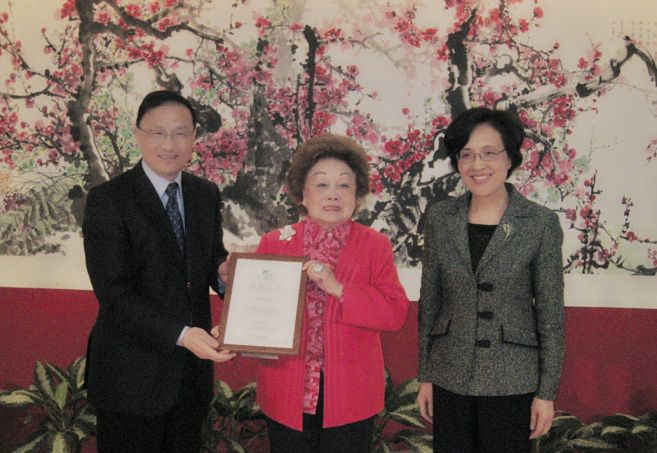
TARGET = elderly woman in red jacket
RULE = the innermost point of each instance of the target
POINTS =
(325, 399)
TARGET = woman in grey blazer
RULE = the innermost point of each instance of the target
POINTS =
(491, 302)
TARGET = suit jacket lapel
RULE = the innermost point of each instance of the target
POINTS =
(151, 206)
(457, 229)
(510, 224)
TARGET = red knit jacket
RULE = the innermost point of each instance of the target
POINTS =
(373, 300)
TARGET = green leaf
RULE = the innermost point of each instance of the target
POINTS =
(20, 398)
(223, 389)
(54, 370)
(60, 394)
(76, 371)
(388, 388)
(59, 444)
(614, 430)
(565, 420)
(405, 393)
(646, 433)
(622, 420)
(42, 380)
(643, 429)
(587, 431)
(85, 421)
(408, 415)
(419, 441)
(592, 443)
(384, 447)
(30, 444)
(233, 446)
(245, 399)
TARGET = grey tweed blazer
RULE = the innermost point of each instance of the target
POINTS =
(498, 331)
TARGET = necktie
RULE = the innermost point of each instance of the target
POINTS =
(174, 214)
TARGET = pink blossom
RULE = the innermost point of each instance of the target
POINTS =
(103, 17)
(524, 25)
(262, 23)
(68, 9)
(570, 214)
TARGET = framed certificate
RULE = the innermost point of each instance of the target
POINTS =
(264, 304)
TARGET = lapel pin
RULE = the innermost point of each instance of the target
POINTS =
(287, 232)
(507, 230)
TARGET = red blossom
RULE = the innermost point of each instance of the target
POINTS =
(652, 256)
(538, 12)
(429, 34)
(133, 10)
(103, 17)
(571, 214)
(440, 122)
(376, 185)
(524, 25)
(262, 23)
(393, 173)
(68, 9)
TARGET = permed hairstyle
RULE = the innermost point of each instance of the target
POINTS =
(327, 146)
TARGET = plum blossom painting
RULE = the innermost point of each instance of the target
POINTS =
(266, 75)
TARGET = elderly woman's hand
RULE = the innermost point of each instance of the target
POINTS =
(323, 277)
(224, 269)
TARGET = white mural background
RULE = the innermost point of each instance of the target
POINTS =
(391, 74)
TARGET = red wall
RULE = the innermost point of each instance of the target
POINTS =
(610, 356)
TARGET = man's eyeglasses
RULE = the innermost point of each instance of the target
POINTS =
(467, 157)
(179, 136)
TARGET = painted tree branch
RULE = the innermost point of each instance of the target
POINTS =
(79, 106)
(310, 34)
(578, 85)
(460, 72)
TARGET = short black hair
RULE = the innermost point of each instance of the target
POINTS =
(155, 99)
(508, 124)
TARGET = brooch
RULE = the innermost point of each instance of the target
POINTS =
(286, 233)
(507, 230)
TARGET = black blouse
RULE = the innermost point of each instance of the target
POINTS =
(479, 236)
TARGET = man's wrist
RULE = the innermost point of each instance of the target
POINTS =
(182, 336)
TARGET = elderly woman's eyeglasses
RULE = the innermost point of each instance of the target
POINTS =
(467, 156)
(179, 137)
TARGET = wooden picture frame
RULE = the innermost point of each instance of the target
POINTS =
(264, 304)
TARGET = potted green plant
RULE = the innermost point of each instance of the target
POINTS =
(400, 407)
(235, 423)
(58, 397)
(618, 432)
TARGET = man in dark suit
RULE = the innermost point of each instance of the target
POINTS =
(153, 246)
